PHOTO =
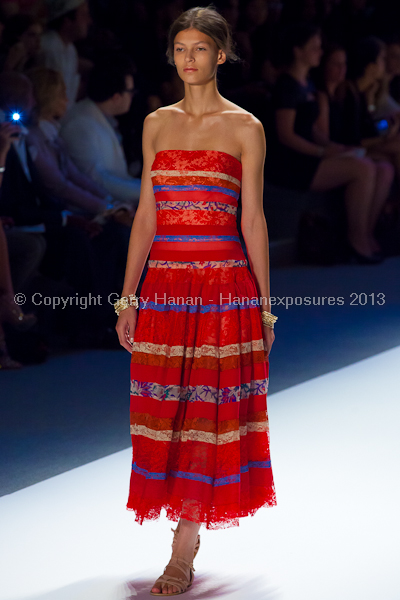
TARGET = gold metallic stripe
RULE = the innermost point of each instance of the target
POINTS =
(194, 435)
(205, 350)
(195, 173)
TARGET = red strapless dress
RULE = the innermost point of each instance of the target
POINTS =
(199, 371)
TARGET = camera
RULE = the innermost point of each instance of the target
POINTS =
(14, 117)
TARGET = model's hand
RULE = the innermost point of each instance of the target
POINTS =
(126, 326)
(269, 337)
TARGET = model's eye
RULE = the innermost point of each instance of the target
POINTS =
(200, 48)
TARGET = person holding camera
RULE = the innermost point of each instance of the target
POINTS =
(10, 312)
(76, 246)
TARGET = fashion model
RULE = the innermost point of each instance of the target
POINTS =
(201, 340)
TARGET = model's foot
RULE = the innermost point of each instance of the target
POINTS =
(183, 547)
(170, 571)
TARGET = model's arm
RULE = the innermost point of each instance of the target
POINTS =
(254, 226)
(144, 228)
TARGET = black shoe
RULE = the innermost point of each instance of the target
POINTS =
(362, 259)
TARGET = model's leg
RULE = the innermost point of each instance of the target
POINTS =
(183, 548)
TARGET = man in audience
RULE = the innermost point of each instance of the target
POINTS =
(69, 22)
(91, 134)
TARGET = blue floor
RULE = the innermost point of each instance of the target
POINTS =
(74, 408)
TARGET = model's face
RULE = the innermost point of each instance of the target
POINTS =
(336, 67)
(196, 51)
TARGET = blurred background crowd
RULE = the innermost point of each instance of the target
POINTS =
(77, 80)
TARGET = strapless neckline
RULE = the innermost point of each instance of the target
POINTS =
(199, 150)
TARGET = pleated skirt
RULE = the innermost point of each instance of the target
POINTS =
(198, 396)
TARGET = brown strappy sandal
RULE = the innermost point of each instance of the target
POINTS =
(182, 584)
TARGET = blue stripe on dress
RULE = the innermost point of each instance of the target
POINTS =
(235, 478)
(196, 238)
(194, 308)
(194, 188)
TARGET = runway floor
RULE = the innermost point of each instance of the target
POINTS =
(334, 534)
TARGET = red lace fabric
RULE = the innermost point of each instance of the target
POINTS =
(199, 371)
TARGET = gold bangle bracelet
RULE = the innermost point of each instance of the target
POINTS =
(268, 319)
(125, 302)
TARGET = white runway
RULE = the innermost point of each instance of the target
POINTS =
(334, 535)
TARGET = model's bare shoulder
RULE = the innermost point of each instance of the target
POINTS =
(152, 125)
(165, 112)
(158, 122)
(153, 121)
(248, 130)
(251, 134)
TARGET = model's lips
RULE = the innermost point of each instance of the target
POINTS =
(190, 69)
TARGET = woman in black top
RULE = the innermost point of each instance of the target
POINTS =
(301, 156)
(288, 166)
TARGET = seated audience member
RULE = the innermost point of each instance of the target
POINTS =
(69, 22)
(340, 92)
(302, 156)
(58, 174)
(386, 104)
(20, 43)
(10, 312)
(75, 246)
(90, 130)
(355, 102)
(330, 79)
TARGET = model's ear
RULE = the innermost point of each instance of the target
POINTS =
(221, 57)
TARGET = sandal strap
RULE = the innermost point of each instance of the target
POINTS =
(181, 584)
(174, 562)
(176, 532)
